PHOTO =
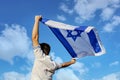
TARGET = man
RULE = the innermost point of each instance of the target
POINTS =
(44, 67)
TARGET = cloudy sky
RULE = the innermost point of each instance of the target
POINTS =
(16, 22)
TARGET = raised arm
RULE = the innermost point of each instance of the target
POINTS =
(66, 64)
(35, 31)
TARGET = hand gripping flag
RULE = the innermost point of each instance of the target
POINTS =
(79, 41)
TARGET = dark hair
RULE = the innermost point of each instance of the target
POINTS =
(45, 47)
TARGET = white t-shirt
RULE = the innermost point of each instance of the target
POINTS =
(43, 67)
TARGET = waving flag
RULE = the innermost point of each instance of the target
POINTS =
(79, 41)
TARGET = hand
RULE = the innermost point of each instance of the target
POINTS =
(38, 18)
(73, 61)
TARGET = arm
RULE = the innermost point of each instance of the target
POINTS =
(66, 64)
(35, 32)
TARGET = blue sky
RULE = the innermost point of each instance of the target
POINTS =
(16, 22)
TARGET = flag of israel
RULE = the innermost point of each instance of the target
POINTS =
(79, 41)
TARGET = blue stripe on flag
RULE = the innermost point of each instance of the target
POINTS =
(94, 41)
(64, 41)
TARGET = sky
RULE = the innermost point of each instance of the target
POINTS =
(16, 23)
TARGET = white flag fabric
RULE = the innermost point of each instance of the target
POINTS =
(79, 41)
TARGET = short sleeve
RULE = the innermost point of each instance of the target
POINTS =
(57, 65)
(38, 52)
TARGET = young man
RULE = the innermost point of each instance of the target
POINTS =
(44, 67)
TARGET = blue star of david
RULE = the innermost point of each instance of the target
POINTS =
(74, 36)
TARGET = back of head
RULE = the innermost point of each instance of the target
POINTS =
(45, 47)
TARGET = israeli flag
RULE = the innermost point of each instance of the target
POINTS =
(79, 41)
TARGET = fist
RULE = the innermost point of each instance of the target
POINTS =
(38, 18)
(73, 61)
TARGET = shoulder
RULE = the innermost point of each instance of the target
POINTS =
(38, 52)
(57, 65)
(36, 48)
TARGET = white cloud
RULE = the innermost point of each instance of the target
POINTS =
(109, 27)
(86, 9)
(96, 65)
(77, 67)
(15, 76)
(61, 17)
(113, 76)
(115, 63)
(83, 9)
(56, 58)
(14, 42)
(65, 8)
(107, 13)
(80, 67)
(115, 3)
(66, 74)
(79, 20)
